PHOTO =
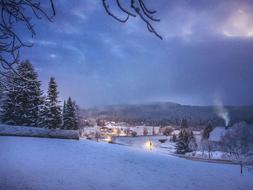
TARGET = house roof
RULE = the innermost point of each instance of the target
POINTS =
(217, 133)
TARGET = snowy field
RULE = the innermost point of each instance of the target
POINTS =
(168, 147)
(140, 142)
(48, 164)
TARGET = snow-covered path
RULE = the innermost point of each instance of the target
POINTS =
(50, 164)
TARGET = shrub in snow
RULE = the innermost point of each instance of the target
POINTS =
(145, 131)
(133, 133)
(174, 138)
(167, 131)
(127, 131)
(162, 140)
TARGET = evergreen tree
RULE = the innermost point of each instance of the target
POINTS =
(184, 123)
(77, 116)
(23, 97)
(186, 141)
(2, 89)
(182, 143)
(64, 109)
(7, 99)
(51, 112)
(70, 115)
(43, 113)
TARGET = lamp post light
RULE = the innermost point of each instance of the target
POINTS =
(149, 144)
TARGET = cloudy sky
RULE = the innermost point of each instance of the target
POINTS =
(206, 53)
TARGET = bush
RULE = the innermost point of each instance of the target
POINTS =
(167, 131)
(145, 131)
(134, 134)
(174, 138)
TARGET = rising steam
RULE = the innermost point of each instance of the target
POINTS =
(221, 111)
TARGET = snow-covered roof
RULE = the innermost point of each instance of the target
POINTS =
(217, 133)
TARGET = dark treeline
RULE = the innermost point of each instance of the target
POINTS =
(163, 114)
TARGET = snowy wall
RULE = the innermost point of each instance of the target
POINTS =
(9, 130)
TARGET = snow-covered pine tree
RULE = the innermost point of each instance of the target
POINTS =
(64, 108)
(43, 111)
(2, 90)
(7, 99)
(182, 143)
(70, 115)
(23, 97)
(186, 140)
(52, 111)
(77, 116)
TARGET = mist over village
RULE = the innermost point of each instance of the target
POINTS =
(137, 94)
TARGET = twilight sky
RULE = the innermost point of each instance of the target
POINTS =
(206, 54)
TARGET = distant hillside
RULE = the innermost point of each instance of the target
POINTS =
(168, 113)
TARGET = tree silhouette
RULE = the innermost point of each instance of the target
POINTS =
(135, 8)
(17, 14)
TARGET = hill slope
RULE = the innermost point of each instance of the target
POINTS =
(49, 164)
(169, 113)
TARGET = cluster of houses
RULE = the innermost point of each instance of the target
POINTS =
(113, 129)
(121, 129)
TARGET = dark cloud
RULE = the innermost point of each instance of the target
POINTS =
(207, 52)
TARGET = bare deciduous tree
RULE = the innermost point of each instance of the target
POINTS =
(16, 14)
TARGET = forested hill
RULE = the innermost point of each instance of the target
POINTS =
(168, 113)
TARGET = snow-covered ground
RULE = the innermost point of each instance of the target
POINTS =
(49, 164)
(9, 130)
(141, 142)
(169, 147)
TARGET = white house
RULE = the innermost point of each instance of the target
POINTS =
(217, 133)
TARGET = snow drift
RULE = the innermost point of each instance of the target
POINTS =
(8, 130)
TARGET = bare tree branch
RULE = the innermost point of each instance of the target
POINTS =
(106, 6)
(16, 13)
(138, 8)
(13, 14)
